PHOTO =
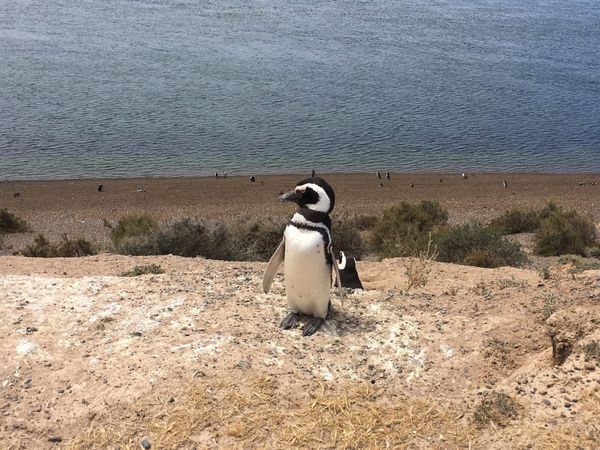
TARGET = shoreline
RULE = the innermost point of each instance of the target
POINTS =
(75, 207)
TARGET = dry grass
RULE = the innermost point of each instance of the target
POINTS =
(418, 269)
(255, 414)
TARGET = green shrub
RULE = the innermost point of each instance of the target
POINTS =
(473, 244)
(564, 232)
(186, 237)
(42, 248)
(257, 239)
(137, 225)
(516, 221)
(346, 236)
(144, 270)
(9, 223)
(404, 230)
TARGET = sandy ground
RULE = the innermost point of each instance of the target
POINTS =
(78, 209)
(194, 358)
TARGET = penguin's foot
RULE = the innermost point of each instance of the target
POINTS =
(290, 321)
(312, 325)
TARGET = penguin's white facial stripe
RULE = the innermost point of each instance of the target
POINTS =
(342, 265)
(323, 204)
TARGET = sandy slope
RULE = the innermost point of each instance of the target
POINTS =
(104, 361)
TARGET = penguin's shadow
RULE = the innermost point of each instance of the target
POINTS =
(346, 323)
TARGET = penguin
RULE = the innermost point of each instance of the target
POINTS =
(17, 195)
(100, 188)
(307, 251)
(387, 174)
(348, 274)
(505, 183)
(378, 175)
(252, 179)
(313, 173)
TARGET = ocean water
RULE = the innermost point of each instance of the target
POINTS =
(111, 88)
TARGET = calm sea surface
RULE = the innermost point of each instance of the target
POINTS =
(165, 87)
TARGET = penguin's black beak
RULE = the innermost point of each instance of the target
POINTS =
(291, 196)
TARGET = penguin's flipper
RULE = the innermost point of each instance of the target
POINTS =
(273, 266)
(337, 274)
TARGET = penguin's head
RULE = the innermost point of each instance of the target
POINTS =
(313, 193)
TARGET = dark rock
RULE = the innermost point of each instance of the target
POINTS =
(55, 439)
(146, 444)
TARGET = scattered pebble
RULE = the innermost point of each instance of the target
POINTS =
(55, 439)
(146, 444)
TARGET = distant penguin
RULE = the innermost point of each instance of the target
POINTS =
(465, 176)
(224, 174)
(348, 273)
(412, 185)
(593, 183)
(140, 190)
(581, 183)
(387, 174)
(17, 195)
(378, 175)
(313, 173)
(380, 185)
(252, 179)
(100, 188)
(307, 251)
(216, 174)
(441, 180)
(505, 183)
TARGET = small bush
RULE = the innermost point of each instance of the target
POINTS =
(495, 407)
(79, 247)
(594, 252)
(42, 248)
(346, 236)
(516, 221)
(144, 270)
(592, 350)
(404, 230)
(564, 232)
(257, 239)
(475, 245)
(9, 223)
(132, 226)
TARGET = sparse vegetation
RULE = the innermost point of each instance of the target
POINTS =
(143, 270)
(592, 350)
(42, 248)
(549, 307)
(496, 407)
(564, 232)
(475, 245)
(404, 230)
(10, 223)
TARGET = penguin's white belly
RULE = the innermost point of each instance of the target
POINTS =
(307, 275)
